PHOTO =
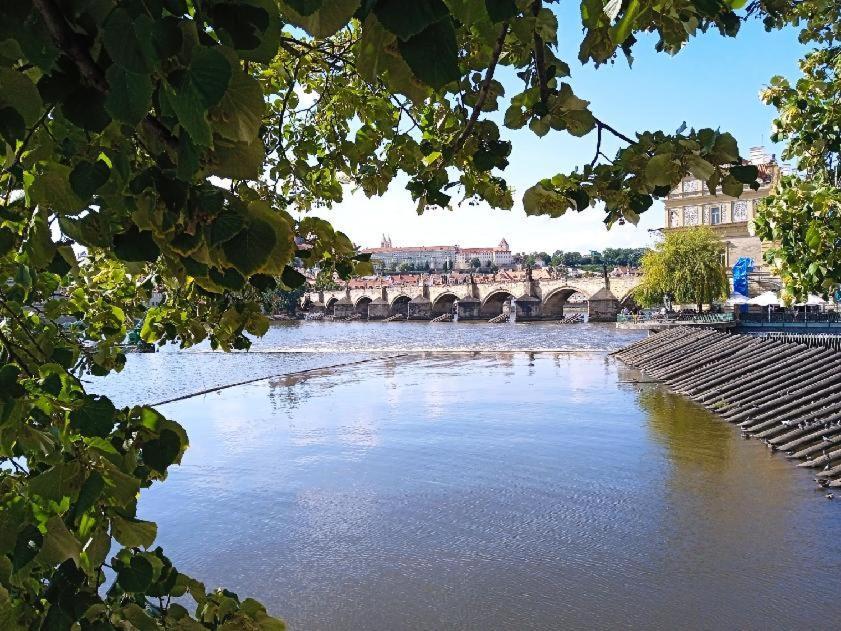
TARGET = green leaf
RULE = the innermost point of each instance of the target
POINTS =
(225, 227)
(93, 229)
(135, 245)
(239, 114)
(136, 575)
(161, 452)
(237, 160)
(699, 167)
(12, 126)
(95, 417)
(19, 93)
(406, 19)
(132, 532)
(746, 174)
(61, 480)
(731, 186)
(200, 87)
(620, 32)
(8, 240)
(292, 278)
(249, 250)
(129, 95)
(86, 178)
(85, 108)
(127, 42)
(501, 10)
(210, 74)
(305, 7)
(813, 235)
(59, 544)
(265, 32)
(329, 18)
(726, 148)
(434, 70)
(660, 170)
(53, 189)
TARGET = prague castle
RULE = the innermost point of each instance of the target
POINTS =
(439, 257)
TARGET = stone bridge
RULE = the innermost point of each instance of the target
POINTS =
(532, 299)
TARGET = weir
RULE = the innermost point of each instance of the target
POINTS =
(783, 390)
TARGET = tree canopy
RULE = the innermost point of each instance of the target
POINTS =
(160, 145)
(802, 216)
(686, 267)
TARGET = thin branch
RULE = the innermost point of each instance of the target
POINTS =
(598, 146)
(27, 138)
(602, 125)
(13, 355)
(483, 91)
(539, 56)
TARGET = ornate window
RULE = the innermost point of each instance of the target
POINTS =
(674, 218)
(692, 186)
(740, 211)
(691, 216)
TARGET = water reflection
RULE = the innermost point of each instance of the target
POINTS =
(493, 491)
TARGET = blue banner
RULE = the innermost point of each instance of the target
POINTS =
(740, 275)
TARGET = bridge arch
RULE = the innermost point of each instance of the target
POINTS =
(400, 305)
(361, 306)
(553, 303)
(628, 300)
(443, 303)
(328, 306)
(492, 303)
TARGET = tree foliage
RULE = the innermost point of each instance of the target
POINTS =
(686, 267)
(802, 216)
(167, 141)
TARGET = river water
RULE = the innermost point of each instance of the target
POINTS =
(478, 477)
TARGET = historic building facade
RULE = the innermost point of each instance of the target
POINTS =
(436, 256)
(692, 204)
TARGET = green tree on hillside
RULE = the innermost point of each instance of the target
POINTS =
(168, 140)
(686, 267)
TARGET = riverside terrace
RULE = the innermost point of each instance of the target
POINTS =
(542, 299)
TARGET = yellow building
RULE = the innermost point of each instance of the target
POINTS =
(692, 204)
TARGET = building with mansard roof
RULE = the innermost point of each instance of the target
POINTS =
(692, 204)
(439, 257)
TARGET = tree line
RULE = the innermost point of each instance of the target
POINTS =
(626, 257)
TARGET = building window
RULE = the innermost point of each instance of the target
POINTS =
(674, 218)
(715, 215)
(740, 211)
(692, 186)
(691, 217)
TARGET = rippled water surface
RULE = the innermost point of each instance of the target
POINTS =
(296, 346)
(493, 490)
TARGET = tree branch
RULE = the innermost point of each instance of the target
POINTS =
(483, 91)
(70, 43)
(602, 125)
(539, 57)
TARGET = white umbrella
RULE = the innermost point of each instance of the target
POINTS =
(812, 300)
(766, 299)
(736, 299)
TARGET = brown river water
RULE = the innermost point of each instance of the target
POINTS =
(488, 477)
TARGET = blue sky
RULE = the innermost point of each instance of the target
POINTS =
(713, 82)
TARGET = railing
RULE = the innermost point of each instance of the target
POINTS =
(683, 318)
(783, 317)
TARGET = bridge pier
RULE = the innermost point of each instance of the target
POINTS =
(528, 308)
(468, 308)
(379, 309)
(420, 308)
(603, 306)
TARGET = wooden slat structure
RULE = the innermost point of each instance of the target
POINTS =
(784, 391)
